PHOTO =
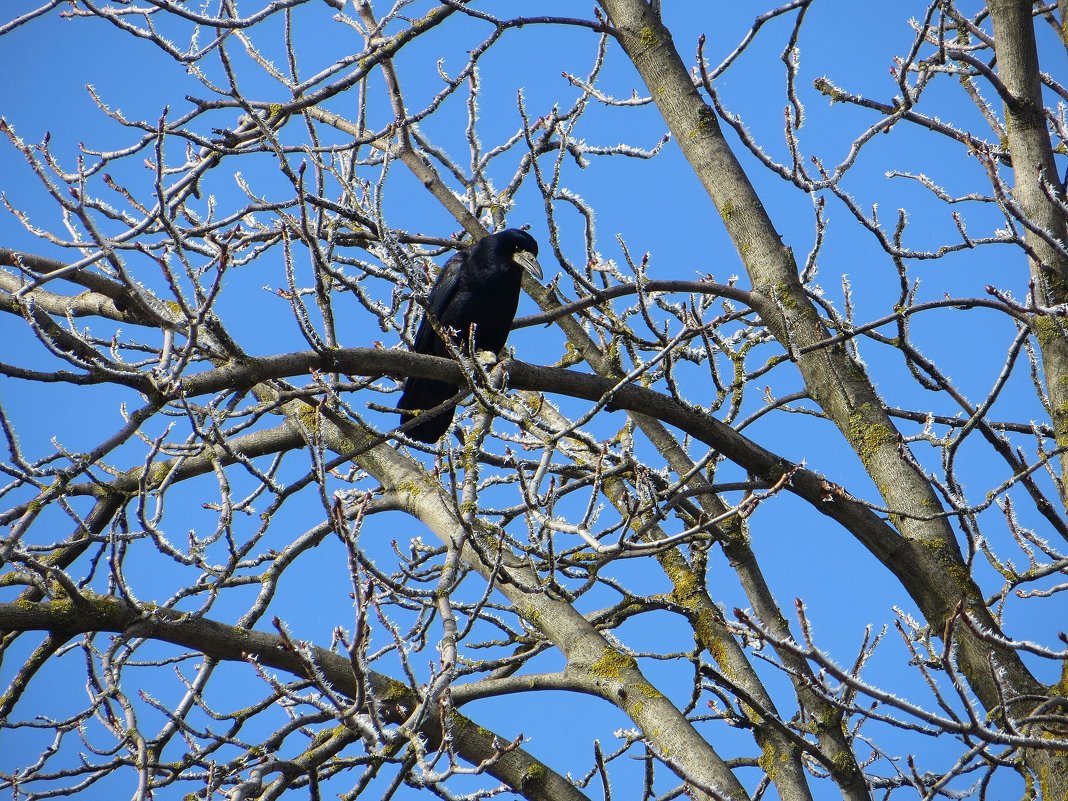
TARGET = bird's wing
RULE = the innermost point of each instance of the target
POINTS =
(440, 296)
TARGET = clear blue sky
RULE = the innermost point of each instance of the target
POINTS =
(655, 206)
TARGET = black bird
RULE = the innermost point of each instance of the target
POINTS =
(479, 287)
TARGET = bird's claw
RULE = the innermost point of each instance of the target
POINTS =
(486, 359)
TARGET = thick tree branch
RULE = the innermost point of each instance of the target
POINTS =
(393, 700)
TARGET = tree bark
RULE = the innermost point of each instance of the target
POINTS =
(1037, 190)
(91, 613)
(936, 576)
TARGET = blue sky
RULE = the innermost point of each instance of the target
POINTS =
(655, 206)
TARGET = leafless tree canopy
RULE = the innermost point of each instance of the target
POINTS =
(227, 573)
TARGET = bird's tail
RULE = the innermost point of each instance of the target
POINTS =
(421, 394)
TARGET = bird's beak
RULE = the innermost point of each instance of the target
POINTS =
(526, 260)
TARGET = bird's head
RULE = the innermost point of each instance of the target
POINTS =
(519, 247)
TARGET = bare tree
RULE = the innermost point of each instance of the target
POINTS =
(177, 508)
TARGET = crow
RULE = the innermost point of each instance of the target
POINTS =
(478, 288)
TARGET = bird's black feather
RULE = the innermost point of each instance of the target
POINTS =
(479, 287)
